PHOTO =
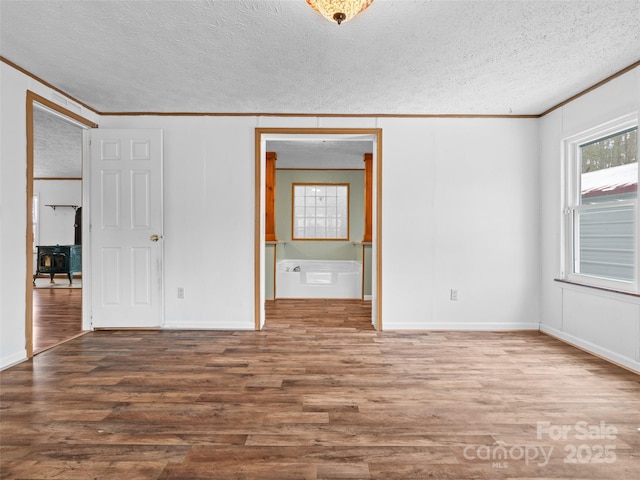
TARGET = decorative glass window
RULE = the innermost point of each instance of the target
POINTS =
(320, 211)
(602, 206)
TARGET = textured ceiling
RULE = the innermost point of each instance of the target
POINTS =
(334, 154)
(57, 147)
(280, 56)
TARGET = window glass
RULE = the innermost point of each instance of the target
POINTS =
(321, 211)
(609, 168)
(604, 217)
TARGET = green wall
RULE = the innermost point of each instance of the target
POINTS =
(287, 248)
(328, 249)
(367, 263)
(269, 281)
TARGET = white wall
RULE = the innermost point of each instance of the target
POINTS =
(607, 324)
(460, 210)
(13, 207)
(208, 211)
(56, 225)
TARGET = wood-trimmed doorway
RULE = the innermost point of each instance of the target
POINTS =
(34, 100)
(261, 137)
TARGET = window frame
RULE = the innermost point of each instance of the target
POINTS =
(293, 211)
(572, 205)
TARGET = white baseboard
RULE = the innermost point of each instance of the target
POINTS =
(212, 325)
(592, 348)
(12, 360)
(480, 327)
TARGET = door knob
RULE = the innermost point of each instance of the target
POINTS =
(154, 238)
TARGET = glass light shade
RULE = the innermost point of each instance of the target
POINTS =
(339, 10)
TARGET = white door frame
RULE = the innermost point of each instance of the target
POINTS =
(261, 137)
(86, 231)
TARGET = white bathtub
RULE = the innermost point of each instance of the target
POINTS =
(318, 279)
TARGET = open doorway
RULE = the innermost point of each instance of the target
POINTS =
(344, 264)
(54, 224)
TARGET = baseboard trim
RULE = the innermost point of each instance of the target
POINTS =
(208, 326)
(596, 350)
(14, 359)
(479, 327)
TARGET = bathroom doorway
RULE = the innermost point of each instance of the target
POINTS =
(320, 161)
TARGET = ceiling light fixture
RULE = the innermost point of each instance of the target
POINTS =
(339, 10)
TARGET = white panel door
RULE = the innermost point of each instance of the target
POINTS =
(126, 279)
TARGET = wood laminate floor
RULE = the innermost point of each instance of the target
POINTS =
(57, 316)
(318, 394)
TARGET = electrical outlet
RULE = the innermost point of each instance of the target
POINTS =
(180, 292)
(454, 294)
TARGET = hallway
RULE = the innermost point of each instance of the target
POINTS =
(57, 314)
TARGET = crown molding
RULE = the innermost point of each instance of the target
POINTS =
(322, 115)
(592, 87)
(47, 84)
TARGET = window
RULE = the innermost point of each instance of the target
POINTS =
(601, 228)
(320, 211)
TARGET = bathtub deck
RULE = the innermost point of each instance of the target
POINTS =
(318, 279)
